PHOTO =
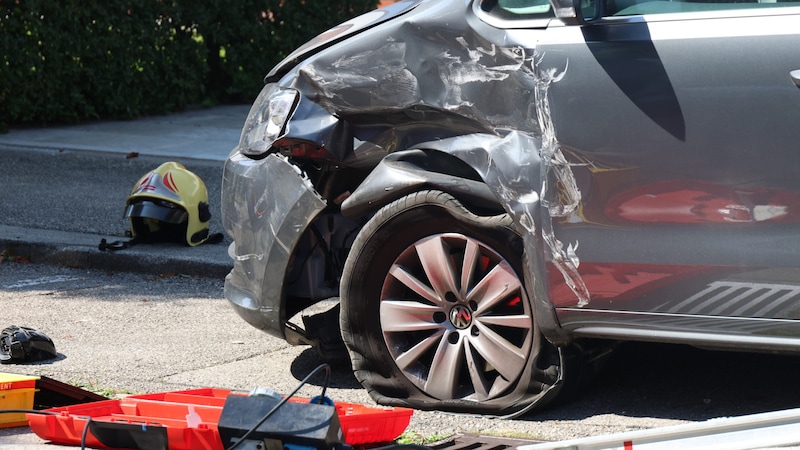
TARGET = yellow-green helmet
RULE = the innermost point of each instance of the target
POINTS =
(169, 204)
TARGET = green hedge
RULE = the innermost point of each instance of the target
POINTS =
(70, 60)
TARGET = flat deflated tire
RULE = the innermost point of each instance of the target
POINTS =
(436, 316)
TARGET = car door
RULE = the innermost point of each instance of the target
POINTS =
(680, 124)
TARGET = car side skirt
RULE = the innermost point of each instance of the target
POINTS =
(769, 335)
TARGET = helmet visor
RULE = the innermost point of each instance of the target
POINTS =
(157, 209)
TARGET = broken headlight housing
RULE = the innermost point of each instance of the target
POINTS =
(268, 120)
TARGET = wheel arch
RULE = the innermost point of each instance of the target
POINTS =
(407, 171)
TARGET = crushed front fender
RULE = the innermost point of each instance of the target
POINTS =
(267, 204)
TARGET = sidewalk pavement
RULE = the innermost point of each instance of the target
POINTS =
(64, 188)
(208, 133)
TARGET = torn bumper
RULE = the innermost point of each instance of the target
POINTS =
(266, 206)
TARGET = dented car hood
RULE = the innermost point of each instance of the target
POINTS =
(339, 33)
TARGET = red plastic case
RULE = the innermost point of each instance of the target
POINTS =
(190, 419)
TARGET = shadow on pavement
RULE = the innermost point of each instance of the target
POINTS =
(341, 377)
(684, 383)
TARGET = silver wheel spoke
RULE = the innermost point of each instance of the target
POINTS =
(438, 266)
(411, 282)
(399, 316)
(443, 375)
(506, 357)
(476, 374)
(496, 286)
(413, 354)
(471, 257)
(519, 321)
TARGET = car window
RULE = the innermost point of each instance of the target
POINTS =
(518, 9)
(638, 7)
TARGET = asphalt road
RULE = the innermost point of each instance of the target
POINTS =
(122, 333)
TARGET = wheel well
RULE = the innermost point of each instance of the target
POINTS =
(443, 163)
(403, 172)
(319, 258)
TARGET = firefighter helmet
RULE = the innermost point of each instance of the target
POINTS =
(169, 204)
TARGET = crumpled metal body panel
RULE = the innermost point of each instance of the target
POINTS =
(453, 75)
(341, 32)
(429, 80)
(266, 205)
(478, 95)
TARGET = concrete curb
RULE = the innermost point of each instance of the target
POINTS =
(81, 250)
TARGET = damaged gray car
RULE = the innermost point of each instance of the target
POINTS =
(476, 198)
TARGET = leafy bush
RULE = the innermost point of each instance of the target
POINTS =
(70, 60)
(244, 39)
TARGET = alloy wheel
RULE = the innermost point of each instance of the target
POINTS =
(455, 318)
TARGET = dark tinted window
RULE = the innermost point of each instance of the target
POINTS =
(518, 9)
(637, 7)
